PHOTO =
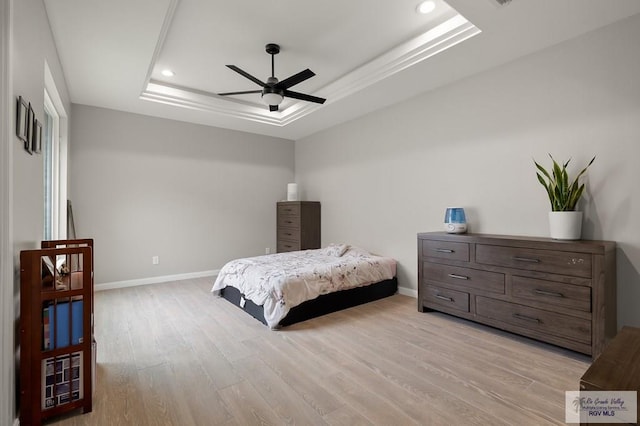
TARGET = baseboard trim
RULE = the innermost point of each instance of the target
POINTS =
(155, 280)
(166, 278)
(408, 292)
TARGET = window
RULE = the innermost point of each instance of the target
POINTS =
(54, 155)
(50, 155)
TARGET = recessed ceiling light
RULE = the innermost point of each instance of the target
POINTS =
(168, 73)
(426, 7)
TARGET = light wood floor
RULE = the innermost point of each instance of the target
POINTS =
(174, 354)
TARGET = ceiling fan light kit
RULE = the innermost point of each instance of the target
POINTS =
(272, 98)
(270, 94)
(274, 91)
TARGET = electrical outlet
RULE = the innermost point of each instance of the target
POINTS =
(155, 260)
(267, 250)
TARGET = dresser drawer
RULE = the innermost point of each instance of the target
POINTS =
(289, 222)
(552, 293)
(445, 250)
(288, 209)
(288, 234)
(470, 278)
(555, 262)
(445, 298)
(539, 320)
(283, 246)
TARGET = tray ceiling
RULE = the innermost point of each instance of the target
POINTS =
(367, 54)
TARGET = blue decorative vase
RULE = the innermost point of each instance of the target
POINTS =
(455, 221)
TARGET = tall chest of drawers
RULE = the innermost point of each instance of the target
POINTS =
(298, 226)
(559, 292)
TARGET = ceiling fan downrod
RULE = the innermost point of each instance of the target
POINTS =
(272, 49)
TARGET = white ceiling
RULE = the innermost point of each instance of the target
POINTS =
(367, 54)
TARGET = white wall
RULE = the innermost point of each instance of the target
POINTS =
(391, 174)
(195, 196)
(7, 319)
(31, 45)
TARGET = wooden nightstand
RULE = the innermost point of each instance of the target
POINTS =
(618, 367)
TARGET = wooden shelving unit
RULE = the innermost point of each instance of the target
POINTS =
(56, 330)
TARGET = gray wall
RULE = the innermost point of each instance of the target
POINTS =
(7, 320)
(195, 196)
(32, 45)
(386, 176)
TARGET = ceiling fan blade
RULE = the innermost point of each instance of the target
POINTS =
(246, 75)
(273, 107)
(246, 92)
(295, 79)
(303, 97)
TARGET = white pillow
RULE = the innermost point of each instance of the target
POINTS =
(357, 251)
(336, 250)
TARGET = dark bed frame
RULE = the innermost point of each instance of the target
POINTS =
(322, 305)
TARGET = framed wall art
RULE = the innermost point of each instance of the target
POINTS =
(21, 119)
(36, 143)
(28, 143)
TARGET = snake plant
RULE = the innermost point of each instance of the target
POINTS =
(563, 195)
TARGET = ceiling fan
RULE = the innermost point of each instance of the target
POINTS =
(273, 91)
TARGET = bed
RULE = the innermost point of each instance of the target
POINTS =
(285, 288)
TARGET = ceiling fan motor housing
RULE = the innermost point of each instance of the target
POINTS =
(269, 89)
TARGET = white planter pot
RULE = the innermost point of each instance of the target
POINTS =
(565, 225)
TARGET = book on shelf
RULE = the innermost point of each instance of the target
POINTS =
(46, 330)
(55, 323)
(62, 380)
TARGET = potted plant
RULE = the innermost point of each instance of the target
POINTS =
(565, 222)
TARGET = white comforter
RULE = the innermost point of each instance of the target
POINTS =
(279, 282)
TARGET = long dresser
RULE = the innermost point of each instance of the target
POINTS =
(559, 292)
(298, 225)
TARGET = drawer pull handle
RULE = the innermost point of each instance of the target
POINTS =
(444, 250)
(548, 293)
(526, 259)
(526, 318)
(448, 299)
(458, 277)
